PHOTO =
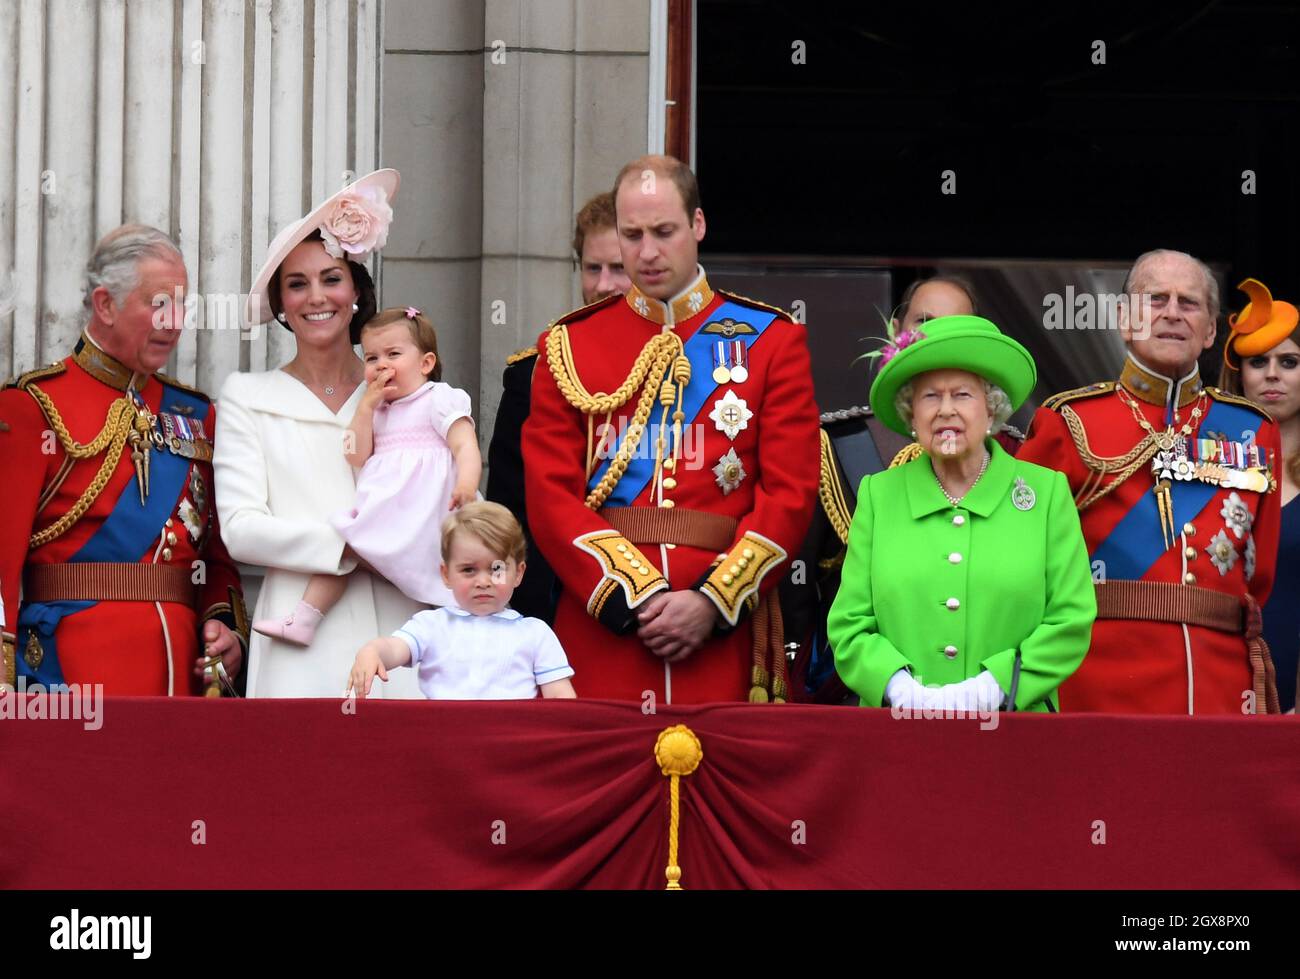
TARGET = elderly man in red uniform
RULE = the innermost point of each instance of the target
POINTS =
(1176, 492)
(109, 523)
(671, 463)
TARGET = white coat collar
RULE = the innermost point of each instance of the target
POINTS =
(278, 393)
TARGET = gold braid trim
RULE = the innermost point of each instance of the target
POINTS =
(1122, 467)
(831, 492)
(519, 355)
(8, 660)
(906, 454)
(648, 371)
(118, 424)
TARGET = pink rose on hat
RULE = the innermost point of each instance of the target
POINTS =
(357, 223)
(353, 222)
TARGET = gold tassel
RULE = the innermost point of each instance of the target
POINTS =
(1165, 504)
(678, 752)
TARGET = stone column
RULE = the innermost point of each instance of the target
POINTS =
(504, 116)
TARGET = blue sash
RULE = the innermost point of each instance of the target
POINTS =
(124, 537)
(699, 351)
(1136, 542)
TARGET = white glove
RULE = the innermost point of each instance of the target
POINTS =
(978, 694)
(902, 691)
(988, 692)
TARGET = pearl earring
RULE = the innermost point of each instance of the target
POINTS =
(355, 307)
(914, 433)
(282, 318)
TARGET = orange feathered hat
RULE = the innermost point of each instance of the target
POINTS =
(1261, 326)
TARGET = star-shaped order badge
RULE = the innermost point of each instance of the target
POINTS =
(731, 414)
(1236, 515)
(729, 472)
(1221, 552)
(190, 518)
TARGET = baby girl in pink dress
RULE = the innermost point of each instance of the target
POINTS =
(414, 439)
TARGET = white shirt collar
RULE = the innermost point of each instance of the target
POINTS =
(506, 613)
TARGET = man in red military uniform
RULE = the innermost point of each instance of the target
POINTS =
(109, 523)
(671, 463)
(1176, 495)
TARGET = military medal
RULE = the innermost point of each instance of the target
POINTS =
(185, 437)
(731, 414)
(721, 373)
(729, 472)
(1023, 496)
(740, 353)
(1232, 465)
(730, 360)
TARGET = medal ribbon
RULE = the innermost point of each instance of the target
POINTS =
(703, 354)
(1135, 543)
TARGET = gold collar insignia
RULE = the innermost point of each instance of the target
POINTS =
(1156, 389)
(683, 306)
(99, 365)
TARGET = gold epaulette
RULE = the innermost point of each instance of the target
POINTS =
(745, 300)
(830, 491)
(173, 383)
(1218, 394)
(582, 312)
(519, 355)
(1087, 391)
(39, 373)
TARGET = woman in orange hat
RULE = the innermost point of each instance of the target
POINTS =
(1261, 361)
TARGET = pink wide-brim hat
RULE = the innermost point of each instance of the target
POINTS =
(257, 309)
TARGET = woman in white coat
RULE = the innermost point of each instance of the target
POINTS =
(279, 453)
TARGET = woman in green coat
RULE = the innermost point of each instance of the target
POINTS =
(967, 582)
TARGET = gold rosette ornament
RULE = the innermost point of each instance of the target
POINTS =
(678, 752)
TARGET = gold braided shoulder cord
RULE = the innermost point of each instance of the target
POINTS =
(906, 454)
(118, 424)
(651, 364)
(831, 492)
(1122, 466)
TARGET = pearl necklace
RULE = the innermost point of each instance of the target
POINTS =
(956, 500)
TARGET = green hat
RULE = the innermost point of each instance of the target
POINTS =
(966, 343)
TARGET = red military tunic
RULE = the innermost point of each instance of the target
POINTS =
(132, 647)
(1139, 665)
(749, 452)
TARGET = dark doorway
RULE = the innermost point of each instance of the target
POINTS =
(1055, 156)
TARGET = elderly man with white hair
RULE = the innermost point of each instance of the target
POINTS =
(109, 523)
(1176, 487)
